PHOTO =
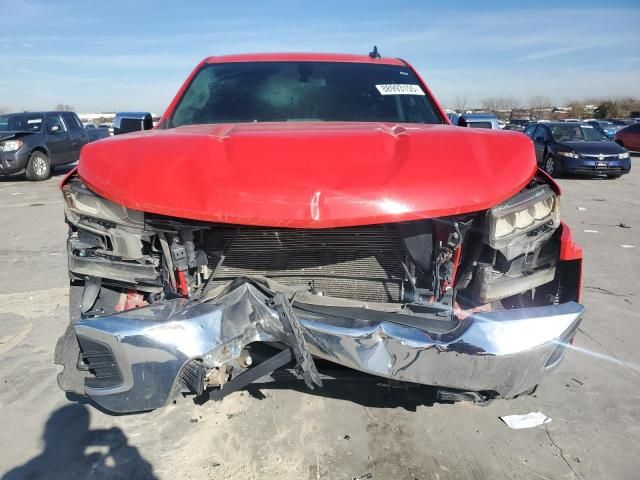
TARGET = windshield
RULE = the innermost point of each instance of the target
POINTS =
(23, 122)
(304, 91)
(576, 133)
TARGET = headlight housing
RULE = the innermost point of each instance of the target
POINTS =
(11, 145)
(623, 155)
(569, 154)
(82, 202)
(527, 212)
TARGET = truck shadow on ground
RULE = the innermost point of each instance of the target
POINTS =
(366, 394)
(359, 388)
(73, 450)
(342, 383)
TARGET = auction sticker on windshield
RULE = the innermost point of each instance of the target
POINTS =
(399, 89)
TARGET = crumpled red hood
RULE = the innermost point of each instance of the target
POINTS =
(310, 175)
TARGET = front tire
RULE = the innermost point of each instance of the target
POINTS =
(551, 166)
(613, 177)
(38, 167)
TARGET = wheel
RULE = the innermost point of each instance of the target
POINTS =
(38, 167)
(613, 176)
(551, 166)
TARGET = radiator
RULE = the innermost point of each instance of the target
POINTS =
(361, 263)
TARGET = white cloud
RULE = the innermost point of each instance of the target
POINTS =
(554, 52)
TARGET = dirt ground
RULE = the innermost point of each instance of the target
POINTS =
(341, 432)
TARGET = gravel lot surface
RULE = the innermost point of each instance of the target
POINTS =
(343, 432)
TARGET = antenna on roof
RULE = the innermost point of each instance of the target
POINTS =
(374, 54)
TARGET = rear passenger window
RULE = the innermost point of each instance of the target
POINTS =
(72, 122)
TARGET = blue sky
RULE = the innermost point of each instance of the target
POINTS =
(133, 55)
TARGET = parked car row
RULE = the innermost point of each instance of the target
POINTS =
(26, 146)
(604, 126)
(591, 147)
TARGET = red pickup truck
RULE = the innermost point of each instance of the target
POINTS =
(306, 215)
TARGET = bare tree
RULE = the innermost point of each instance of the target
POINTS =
(489, 104)
(507, 103)
(539, 101)
(540, 106)
(577, 108)
(500, 104)
(61, 107)
(618, 107)
(461, 102)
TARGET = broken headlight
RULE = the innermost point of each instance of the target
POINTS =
(525, 213)
(82, 202)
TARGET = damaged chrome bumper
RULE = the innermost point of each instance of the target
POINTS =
(143, 351)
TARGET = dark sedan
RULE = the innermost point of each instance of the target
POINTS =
(577, 148)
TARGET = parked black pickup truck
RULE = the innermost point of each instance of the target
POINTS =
(35, 142)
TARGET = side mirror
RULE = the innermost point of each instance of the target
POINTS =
(127, 122)
(54, 128)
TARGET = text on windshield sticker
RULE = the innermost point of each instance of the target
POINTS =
(399, 89)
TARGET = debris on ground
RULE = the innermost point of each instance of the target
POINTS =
(591, 231)
(579, 382)
(529, 420)
(581, 209)
(624, 225)
(627, 246)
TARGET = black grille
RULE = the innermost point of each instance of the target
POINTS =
(360, 263)
(102, 364)
(193, 377)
